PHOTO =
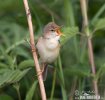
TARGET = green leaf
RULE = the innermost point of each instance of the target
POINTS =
(8, 30)
(31, 91)
(99, 24)
(8, 76)
(26, 63)
(68, 32)
(20, 75)
(5, 75)
(14, 46)
(22, 52)
(2, 65)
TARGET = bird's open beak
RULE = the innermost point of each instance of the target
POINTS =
(59, 32)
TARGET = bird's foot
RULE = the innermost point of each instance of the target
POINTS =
(40, 72)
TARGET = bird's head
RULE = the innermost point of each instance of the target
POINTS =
(52, 30)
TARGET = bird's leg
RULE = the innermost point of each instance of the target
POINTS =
(43, 71)
(42, 68)
(51, 66)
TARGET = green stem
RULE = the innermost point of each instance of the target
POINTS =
(18, 92)
(90, 45)
(69, 17)
(17, 86)
(70, 21)
(53, 85)
(62, 79)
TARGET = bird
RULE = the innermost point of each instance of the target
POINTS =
(48, 46)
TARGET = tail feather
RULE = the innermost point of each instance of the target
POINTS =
(45, 70)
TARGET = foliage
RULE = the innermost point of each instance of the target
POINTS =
(31, 91)
(18, 79)
(100, 24)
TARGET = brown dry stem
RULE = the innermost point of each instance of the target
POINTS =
(90, 46)
(37, 67)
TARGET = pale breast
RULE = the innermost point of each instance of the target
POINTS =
(46, 54)
(51, 55)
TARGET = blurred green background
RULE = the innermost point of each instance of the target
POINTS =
(72, 70)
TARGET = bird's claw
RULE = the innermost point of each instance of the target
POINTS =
(40, 72)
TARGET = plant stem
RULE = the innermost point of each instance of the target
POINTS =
(70, 21)
(37, 67)
(53, 85)
(17, 86)
(18, 92)
(90, 47)
(62, 79)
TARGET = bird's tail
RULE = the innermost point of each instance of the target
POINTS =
(45, 70)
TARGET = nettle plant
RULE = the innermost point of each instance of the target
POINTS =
(15, 58)
(17, 66)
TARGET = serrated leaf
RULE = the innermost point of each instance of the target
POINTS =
(8, 76)
(4, 77)
(68, 32)
(31, 91)
(15, 73)
(100, 24)
(20, 75)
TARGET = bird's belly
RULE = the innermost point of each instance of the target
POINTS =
(50, 56)
(48, 53)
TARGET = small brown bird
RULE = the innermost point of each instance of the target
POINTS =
(48, 45)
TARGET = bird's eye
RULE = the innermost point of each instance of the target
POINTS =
(52, 30)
